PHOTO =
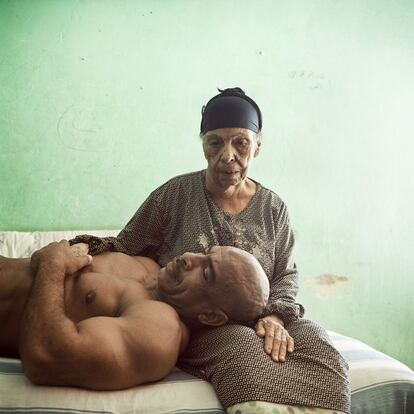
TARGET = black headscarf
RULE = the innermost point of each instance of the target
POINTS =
(231, 108)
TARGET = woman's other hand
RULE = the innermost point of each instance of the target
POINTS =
(60, 254)
(277, 340)
(80, 249)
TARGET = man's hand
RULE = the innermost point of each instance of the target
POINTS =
(277, 340)
(60, 254)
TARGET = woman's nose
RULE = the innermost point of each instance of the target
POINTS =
(228, 154)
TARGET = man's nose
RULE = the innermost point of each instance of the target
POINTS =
(228, 154)
(189, 260)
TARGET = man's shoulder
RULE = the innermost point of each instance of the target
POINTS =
(146, 319)
(139, 345)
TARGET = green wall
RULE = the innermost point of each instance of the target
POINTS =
(100, 103)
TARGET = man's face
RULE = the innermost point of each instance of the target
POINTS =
(228, 152)
(195, 283)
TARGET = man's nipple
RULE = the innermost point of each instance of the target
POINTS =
(90, 296)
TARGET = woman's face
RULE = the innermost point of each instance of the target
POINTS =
(228, 152)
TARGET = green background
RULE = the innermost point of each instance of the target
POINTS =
(100, 103)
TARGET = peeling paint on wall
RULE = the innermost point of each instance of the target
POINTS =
(329, 279)
(327, 284)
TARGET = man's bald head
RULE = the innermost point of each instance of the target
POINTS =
(222, 286)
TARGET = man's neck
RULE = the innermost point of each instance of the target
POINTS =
(157, 295)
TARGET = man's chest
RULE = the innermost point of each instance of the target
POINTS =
(99, 294)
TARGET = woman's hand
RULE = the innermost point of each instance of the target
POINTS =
(277, 340)
(62, 255)
(80, 249)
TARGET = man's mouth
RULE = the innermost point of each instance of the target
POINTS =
(172, 270)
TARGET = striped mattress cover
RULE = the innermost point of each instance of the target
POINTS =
(380, 384)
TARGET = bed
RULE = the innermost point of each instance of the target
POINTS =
(379, 383)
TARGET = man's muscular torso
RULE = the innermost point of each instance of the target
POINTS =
(112, 285)
(107, 287)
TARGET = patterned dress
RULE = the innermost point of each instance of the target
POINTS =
(181, 216)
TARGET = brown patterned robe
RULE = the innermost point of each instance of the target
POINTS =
(181, 216)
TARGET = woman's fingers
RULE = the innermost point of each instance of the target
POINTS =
(80, 249)
(279, 346)
(269, 337)
(277, 341)
(290, 343)
(260, 329)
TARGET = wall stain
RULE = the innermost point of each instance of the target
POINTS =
(329, 279)
(328, 284)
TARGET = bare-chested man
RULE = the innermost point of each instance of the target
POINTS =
(114, 322)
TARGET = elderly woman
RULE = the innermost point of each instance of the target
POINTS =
(286, 363)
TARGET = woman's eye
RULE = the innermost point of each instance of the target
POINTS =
(242, 143)
(243, 147)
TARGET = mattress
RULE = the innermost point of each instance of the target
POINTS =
(380, 384)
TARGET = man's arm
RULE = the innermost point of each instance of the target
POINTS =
(101, 352)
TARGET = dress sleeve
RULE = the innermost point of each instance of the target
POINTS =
(284, 282)
(141, 236)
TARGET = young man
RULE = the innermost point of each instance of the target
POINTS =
(113, 321)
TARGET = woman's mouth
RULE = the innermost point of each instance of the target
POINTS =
(229, 172)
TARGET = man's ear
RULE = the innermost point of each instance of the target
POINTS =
(213, 317)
